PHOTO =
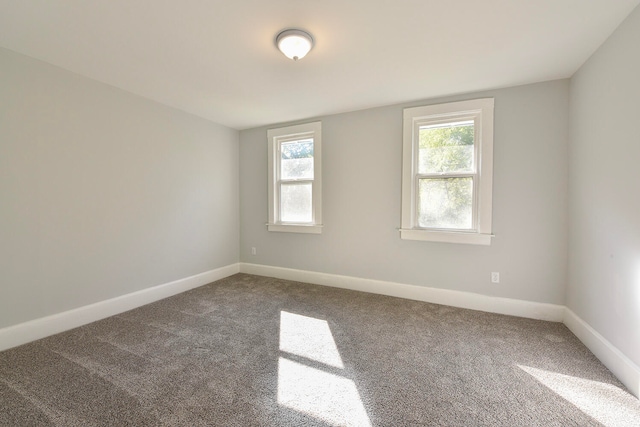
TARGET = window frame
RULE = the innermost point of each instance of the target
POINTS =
(481, 112)
(276, 137)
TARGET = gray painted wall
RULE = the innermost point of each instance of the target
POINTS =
(604, 265)
(362, 161)
(103, 193)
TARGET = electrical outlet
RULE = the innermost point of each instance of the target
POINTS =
(254, 251)
(495, 277)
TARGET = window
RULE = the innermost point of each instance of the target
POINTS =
(295, 178)
(447, 172)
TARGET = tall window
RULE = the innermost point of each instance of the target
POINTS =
(447, 172)
(295, 178)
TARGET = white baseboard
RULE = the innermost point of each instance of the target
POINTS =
(619, 364)
(23, 333)
(513, 307)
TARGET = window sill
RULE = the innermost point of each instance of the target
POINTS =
(446, 236)
(295, 228)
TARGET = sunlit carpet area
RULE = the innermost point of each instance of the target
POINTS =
(257, 351)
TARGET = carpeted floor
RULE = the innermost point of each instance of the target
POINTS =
(256, 351)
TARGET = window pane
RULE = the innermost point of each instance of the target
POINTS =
(295, 203)
(297, 159)
(445, 203)
(446, 148)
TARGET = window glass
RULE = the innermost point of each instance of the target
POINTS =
(445, 203)
(296, 205)
(446, 148)
(297, 159)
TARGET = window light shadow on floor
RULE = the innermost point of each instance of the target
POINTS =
(320, 393)
(603, 402)
(310, 338)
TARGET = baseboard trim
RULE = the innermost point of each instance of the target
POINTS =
(619, 364)
(513, 307)
(23, 333)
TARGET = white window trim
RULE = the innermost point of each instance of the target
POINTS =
(275, 138)
(482, 112)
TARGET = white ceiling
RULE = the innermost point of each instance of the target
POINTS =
(217, 59)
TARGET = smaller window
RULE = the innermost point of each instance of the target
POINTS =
(295, 178)
(447, 172)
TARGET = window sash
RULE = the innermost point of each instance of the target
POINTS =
(474, 193)
(279, 200)
(279, 178)
(292, 181)
(444, 120)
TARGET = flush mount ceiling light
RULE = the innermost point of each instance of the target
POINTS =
(294, 43)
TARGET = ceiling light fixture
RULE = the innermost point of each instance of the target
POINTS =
(294, 43)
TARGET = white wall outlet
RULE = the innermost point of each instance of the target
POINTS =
(495, 277)
(254, 251)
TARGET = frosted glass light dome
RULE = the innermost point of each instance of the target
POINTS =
(294, 43)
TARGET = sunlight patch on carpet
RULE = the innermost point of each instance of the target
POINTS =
(328, 397)
(603, 402)
(309, 338)
(319, 393)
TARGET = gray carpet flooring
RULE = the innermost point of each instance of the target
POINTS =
(257, 351)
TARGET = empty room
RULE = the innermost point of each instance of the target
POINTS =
(319, 213)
